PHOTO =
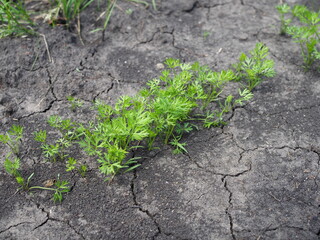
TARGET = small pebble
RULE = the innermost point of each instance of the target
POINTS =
(160, 66)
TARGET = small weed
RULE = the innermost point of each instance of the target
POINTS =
(284, 9)
(129, 11)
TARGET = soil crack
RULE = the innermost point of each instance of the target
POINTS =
(107, 90)
(50, 104)
(15, 225)
(229, 207)
(145, 211)
(48, 217)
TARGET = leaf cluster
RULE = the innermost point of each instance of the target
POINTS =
(163, 110)
(303, 26)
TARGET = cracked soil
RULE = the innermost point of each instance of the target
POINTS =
(256, 178)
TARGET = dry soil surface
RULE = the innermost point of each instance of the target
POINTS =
(256, 178)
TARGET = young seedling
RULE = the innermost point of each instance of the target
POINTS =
(303, 27)
(40, 136)
(72, 164)
(59, 188)
(75, 103)
(58, 149)
(284, 9)
(206, 34)
(12, 167)
(13, 138)
(253, 69)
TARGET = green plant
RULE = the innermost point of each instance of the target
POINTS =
(109, 10)
(282, 10)
(206, 34)
(72, 164)
(253, 69)
(40, 136)
(12, 167)
(58, 149)
(70, 9)
(166, 109)
(13, 138)
(14, 19)
(303, 27)
(75, 103)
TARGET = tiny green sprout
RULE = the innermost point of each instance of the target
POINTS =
(71, 164)
(206, 34)
(83, 170)
(185, 128)
(13, 138)
(51, 151)
(253, 69)
(172, 63)
(283, 9)
(129, 11)
(12, 167)
(303, 27)
(75, 103)
(246, 95)
(179, 147)
(61, 187)
(55, 121)
(40, 136)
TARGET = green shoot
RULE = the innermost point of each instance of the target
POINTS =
(283, 9)
(179, 147)
(75, 103)
(59, 188)
(14, 19)
(253, 69)
(70, 9)
(206, 34)
(303, 27)
(72, 165)
(40, 136)
(13, 138)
